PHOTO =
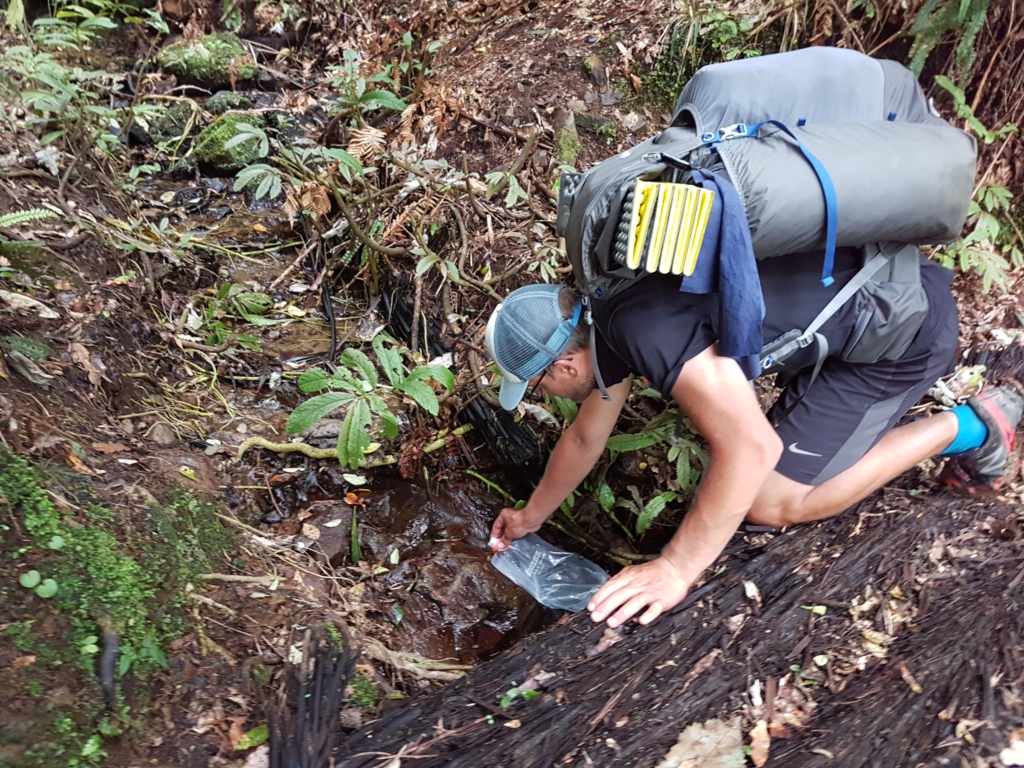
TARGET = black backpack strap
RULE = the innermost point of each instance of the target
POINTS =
(786, 345)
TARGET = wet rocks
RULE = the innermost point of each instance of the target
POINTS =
(212, 60)
(172, 124)
(212, 148)
(224, 101)
(599, 126)
(333, 522)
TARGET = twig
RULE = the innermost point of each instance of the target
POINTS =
(364, 238)
(213, 603)
(291, 267)
(469, 191)
(267, 581)
(414, 342)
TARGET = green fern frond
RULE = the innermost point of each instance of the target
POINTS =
(937, 18)
(17, 218)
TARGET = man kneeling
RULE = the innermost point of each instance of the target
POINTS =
(836, 443)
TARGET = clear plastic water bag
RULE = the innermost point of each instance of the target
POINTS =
(555, 578)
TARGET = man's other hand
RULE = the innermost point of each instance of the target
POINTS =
(514, 524)
(656, 586)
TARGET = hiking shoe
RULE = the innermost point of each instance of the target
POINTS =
(990, 466)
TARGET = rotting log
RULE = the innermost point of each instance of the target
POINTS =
(626, 705)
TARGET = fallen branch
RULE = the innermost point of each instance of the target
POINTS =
(414, 664)
(267, 581)
(304, 448)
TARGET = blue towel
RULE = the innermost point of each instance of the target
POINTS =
(726, 266)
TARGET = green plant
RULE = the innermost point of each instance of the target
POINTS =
(991, 234)
(354, 100)
(265, 180)
(498, 180)
(964, 111)
(74, 26)
(17, 218)
(356, 386)
(938, 18)
(364, 692)
(231, 302)
(705, 37)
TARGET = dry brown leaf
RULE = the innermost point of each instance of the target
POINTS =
(310, 531)
(23, 661)
(367, 142)
(760, 742)
(78, 465)
(909, 679)
(315, 198)
(21, 301)
(235, 732)
(636, 81)
(109, 448)
(713, 744)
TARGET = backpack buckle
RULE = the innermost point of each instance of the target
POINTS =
(739, 130)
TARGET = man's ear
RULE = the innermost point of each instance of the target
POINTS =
(566, 367)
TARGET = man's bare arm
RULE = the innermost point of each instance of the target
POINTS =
(716, 396)
(575, 454)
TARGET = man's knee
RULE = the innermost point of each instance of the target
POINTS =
(773, 515)
(779, 503)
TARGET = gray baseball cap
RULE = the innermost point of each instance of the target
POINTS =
(525, 334)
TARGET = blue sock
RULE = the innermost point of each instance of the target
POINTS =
(972, 432)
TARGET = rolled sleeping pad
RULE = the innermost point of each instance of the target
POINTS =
(904, 182)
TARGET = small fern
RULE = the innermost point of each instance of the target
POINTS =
(17, 218)
(939, 17)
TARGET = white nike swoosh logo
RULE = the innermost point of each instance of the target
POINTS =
(794, 449)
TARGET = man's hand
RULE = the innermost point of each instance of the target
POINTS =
(656, 586)
(514, 524)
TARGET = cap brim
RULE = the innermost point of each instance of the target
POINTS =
(511, 393)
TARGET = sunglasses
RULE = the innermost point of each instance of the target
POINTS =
(533, 389)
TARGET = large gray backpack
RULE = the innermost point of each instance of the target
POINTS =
(826, 147)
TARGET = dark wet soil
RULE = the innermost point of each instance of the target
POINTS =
(869, 571)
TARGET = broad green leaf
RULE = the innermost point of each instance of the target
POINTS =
(390, 360)
(384, 99)
(652, 509)
(684, 472)
(425, 263)
(47, 589)
(353, 436)
(316, 408)
(421, 394)
(357, 359)
(625, 443)
(253, 738)
(313, 380)
(15, 14)
(605, 497)
(344, 158)
(438, 373)
(30, 579)
(566, 407)
(387, 418)
(254, 303)
(257, 320)
(390, 423)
